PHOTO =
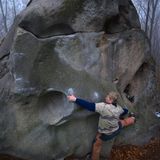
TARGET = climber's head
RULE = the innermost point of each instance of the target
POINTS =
(111, 98)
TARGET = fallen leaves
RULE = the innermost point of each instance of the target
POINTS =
(150, 151)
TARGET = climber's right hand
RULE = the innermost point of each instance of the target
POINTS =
(71, 98)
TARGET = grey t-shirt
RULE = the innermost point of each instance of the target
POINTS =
(109, 117)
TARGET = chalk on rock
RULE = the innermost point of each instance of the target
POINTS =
(70, 91)
(157, 114)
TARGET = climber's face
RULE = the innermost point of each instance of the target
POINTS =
(108, 99)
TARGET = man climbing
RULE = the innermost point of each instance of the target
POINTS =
(110, 123)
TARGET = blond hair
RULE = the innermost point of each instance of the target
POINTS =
(113, 96)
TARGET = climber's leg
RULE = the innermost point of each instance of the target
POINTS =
(97, 147)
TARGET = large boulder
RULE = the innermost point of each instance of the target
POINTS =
(46, 18)
(37, 121)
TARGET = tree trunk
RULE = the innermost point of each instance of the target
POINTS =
(6, 11)
(147, 17)
(14, 8)
(4, 17)
(154, 7)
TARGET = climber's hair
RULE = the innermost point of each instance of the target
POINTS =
(113, 96)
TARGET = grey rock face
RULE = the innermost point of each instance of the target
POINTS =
(69, 16)
(37, 121)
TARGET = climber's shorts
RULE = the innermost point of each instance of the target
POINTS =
(105, 137)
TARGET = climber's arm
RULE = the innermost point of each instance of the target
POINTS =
(125, 111)
(83, 103)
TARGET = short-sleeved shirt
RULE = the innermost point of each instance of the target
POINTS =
(109, 117)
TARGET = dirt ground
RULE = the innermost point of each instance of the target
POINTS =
(150, 151)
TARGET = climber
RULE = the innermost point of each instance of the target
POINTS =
(110, 123)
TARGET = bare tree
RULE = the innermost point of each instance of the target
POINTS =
(147, 17)
(149, 14)
(8, 11)
(4, 17)
(14, 8)
(153, 8)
